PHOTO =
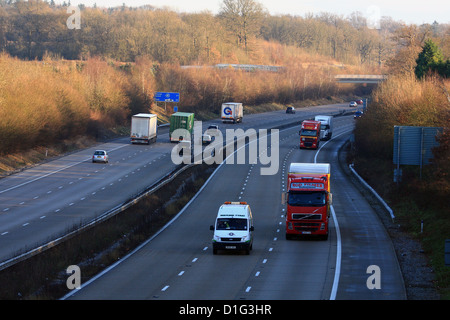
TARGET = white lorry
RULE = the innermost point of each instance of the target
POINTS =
(232, 112)
(233, 229)
(143, 128)
(326, 127)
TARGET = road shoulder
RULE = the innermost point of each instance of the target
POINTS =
(418, 275)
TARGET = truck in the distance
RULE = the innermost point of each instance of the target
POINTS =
(308, 199)
(144, 128)
(181, 120)
(232, 112)
(326, 126)
(310, 134)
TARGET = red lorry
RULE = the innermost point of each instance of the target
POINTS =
(308, 199)
(310, 134)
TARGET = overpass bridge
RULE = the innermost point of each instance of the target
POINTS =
(360, 78)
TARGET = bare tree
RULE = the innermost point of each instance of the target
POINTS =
(242, 18)
(409, 40)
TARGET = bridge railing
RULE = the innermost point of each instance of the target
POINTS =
(360, 78)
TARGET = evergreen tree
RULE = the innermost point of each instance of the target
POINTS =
(442, 68)
(430, 57)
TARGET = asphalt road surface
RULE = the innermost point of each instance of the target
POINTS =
(179, 264)
(43, 203)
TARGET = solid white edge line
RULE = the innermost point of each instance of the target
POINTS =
(337, 271)
(323, 145)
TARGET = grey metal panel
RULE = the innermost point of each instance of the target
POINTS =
(447, 252)
(415, 144)
(408, 138)
(429, 142)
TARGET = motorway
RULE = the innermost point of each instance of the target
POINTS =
(178, 262)
(43, 203)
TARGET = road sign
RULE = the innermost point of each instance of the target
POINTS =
(413, 145)
(447, 252)
(167, 96)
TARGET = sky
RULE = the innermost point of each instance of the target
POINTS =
(408, 11)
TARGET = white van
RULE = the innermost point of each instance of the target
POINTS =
(233, 228)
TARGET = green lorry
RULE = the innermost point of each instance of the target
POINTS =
(181, 120)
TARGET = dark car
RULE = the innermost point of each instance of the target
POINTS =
(358, 114)
(359, 101)
(290, 110)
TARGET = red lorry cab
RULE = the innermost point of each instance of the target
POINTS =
(308, 199)
(310, 134)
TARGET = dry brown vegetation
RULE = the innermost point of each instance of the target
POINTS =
(206, 88)
(45, 102)
(49, 100)
(403, 101)
(422, 196)
(420, 199)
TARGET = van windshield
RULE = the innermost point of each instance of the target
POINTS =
(231, 224)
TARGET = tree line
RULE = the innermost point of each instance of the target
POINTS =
(35, 28)
(45, 102)
(56, 82)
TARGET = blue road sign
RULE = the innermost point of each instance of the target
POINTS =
(167, 96)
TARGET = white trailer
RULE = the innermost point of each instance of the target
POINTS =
(144, 128)
(326, 127)
(232, 112)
